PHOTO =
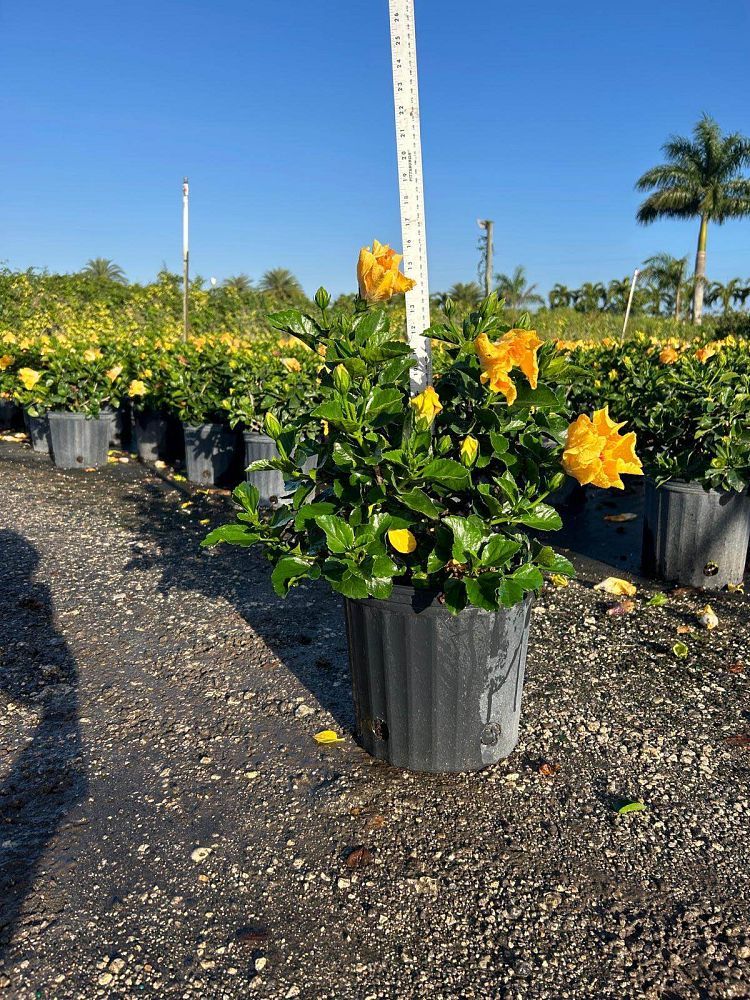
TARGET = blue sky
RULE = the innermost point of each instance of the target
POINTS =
(539, 115)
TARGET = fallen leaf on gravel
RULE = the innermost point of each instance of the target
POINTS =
(326, 736)
(631, 807)
(736, 588)
(358, 858)
(684, 629)
(683, 591)
(158, 464)
(547, 770)
(707, 617)
(657, 600)
(558, 580)
(205, 520)
(184, 506)
(680, 650)
(178, 478)
(376, 822)
(620, 518)
(200, 854)
(737, 668)
(623, 608)
(251, 934)
(614, 585)
(741, 740)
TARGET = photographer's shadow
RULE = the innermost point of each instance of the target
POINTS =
(305, 631)
(45, 779)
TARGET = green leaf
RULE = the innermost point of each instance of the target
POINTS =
(510, 593)
(527, 577)
(233, 534)
(631, 807)
(311, 511)
(657, 601)
(553, 562)
(499, 550)
(455, 595)
(482, 590)
(542, 517)
(447, 472)
(339, 534)
(350, 585)
(247, 496)
(468, 535)
(419, 501)
(294, 322)
(289, 569)
(680, 650)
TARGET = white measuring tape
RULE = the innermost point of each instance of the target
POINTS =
(410, 187)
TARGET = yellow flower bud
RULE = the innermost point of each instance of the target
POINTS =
(427, 405)
(469, 451)
(402, 540)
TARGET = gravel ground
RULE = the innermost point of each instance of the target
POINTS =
(170, 828)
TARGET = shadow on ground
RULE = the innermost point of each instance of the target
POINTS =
(38, 675)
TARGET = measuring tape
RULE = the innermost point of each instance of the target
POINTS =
(410, 188)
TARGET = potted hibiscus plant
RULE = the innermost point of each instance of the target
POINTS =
(284, 383)
(693, 423)
(424, 513)
(74, 385)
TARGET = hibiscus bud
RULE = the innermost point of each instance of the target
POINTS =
(341, 379)
(427, 405)
(322, 298)
(469, 451)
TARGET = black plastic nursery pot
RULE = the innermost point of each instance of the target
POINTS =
(157, 436)
(10, 414)
(119, 426)
(78, 441)
(695, 537)
(38, 430)
(433, 691)
(212, 455)
(269, 482)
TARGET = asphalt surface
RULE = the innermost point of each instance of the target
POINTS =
(169, 827)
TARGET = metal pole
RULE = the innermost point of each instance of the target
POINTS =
(487, 224)
(630, 302)
(185, 257)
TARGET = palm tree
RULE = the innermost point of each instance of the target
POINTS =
(239, 283)
(618, 291)
(590, 297)
(515, 291)
(281, 285)
(742, 294)
(103, 269)
(466, 295)
(560, 297)
(725, 294)
(702, 179)
(667, 274)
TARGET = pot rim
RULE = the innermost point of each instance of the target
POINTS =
(691, 486)
(423, 599)
(65, 415)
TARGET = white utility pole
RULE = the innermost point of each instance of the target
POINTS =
(185, 256)
(410, 186)
(487, 225)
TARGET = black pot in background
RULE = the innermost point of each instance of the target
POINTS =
(11, 417)
(78, 441)
(38, 430)
(269, 482)
(157, 436)
(695, 537)
(212, 455)
(119, 426)
(434, 691)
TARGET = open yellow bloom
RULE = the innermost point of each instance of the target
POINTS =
(92, 354)
(402, 540)
(5, 362)
(114, 373)
(596, 453)
(566, 345)
(469, 451)
(136, 388)
(704, 353)
(378, 275)
(668, 356)
(29, 377)
(427, 406)
(516, 348)
(291, 364)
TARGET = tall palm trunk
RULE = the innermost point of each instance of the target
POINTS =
(700, 272)
(678, 301)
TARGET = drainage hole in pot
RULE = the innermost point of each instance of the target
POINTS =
(379, 729)
(710, 569)
(490, 734)
(79, 459)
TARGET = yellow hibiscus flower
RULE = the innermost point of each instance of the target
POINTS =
(378, 275)
(427, 406)
(29, 377)
(136, 388)
(516, 348)
(596, 453)
(402, 540)
(668, 356)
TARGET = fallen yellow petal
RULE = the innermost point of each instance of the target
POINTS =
(707, 617)
(614, 585)
(620, 518)
(558, 580)
(326, 736)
